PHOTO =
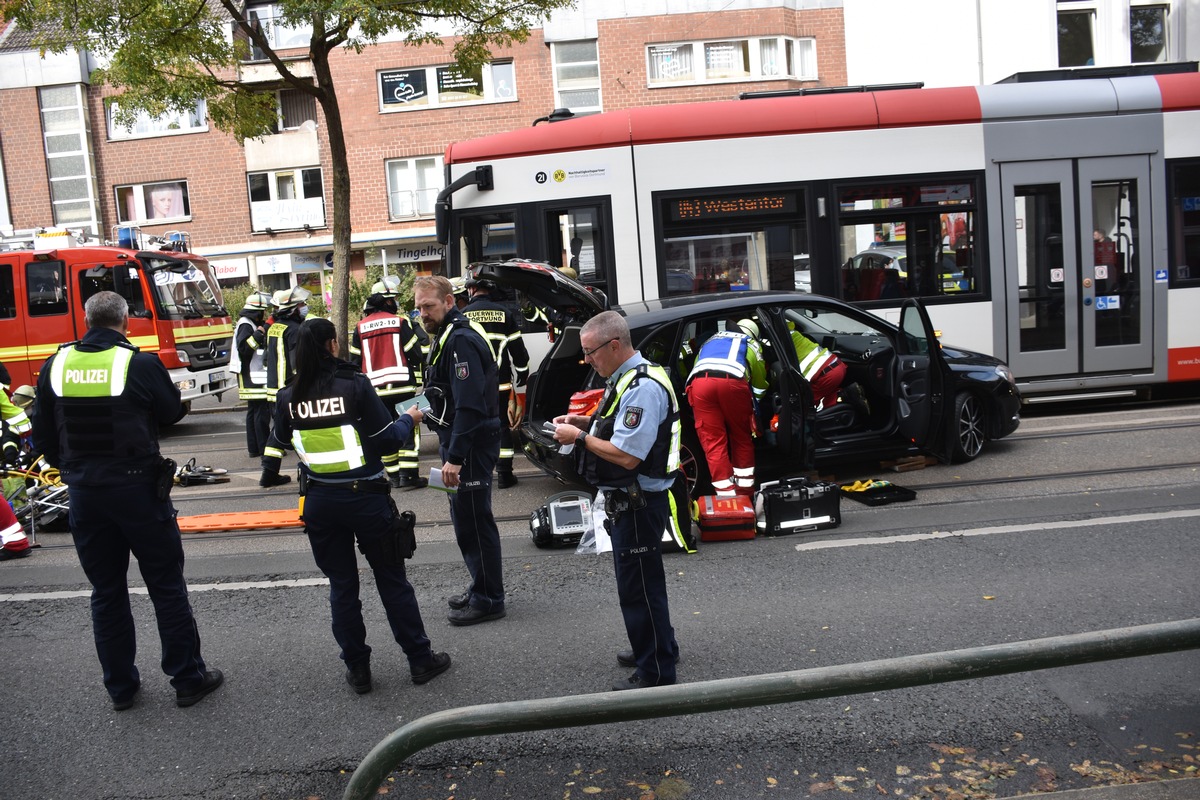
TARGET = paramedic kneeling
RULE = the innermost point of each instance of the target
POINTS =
(629, 448)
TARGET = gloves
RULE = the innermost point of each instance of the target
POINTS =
(516, 408)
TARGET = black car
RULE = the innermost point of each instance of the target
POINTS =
(922, 397)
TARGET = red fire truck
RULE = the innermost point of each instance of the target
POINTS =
(175, 306)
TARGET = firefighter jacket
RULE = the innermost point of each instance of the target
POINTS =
(388, 352)
(736, 354)
(281, 343)
(248, 359)
(635, 397)
(100, 403)
(461, 386)
(343, 430)
(504, 335)
(811, 357)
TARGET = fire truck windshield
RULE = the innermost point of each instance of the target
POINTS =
(185, 289)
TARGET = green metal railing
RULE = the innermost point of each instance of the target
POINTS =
(762, 690)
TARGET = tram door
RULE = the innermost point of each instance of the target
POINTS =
(1077, 263)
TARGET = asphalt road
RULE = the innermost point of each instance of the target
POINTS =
(1078, 523)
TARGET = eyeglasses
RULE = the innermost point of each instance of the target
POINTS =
(596, 349)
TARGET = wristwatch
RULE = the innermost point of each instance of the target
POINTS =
(579, 440)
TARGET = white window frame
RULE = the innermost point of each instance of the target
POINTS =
(413, 200)
(62, 121)
(172, 123)
(797, 54)
(282, 214)
(576, 84)
(279, 36)
(492, 92)
(1168, 29)
(279, 121)
(142, 193)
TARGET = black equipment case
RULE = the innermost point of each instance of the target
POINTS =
(798, 504)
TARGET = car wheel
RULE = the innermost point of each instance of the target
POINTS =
(970, 424)
(691, 461)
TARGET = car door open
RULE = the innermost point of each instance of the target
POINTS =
(921, 379)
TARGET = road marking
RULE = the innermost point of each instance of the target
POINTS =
(201, 587)
(1038, 526)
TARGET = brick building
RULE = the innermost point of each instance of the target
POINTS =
(260, 209)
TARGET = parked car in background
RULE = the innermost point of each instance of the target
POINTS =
(923, 397)
(882, 273)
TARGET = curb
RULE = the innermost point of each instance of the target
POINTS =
(1174, 789)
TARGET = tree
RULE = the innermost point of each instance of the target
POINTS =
(164, 55)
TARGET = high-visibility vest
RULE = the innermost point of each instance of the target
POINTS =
(663, 458)
(811, 356)
(323, 431)
(384, 350)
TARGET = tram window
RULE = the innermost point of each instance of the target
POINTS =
(576, 241)
(1185, 224)
(907, 240)
(488, 237)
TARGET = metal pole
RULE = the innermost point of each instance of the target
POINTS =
(761, 690)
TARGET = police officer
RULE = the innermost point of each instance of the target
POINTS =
(460, 384)
(388, 352)
(630, 448)
(248, 362)
(341, 430)
(100, 403)
(723, 388)
(512, 362)
(291, 307)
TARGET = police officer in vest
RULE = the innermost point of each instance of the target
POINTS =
(341, 430)
(512, 361)
(460, 384)
(388, 352)
(100, 403)
(248, 362)
(725, 384)
(629, 449)
(291, 307)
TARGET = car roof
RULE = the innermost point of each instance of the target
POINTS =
(652, 313)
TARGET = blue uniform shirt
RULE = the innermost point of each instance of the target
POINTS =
(649, 396)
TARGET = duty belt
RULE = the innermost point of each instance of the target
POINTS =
(710, 373)
(371, 486)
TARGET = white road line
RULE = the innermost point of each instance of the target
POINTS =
(1037, 526)
(200, 587)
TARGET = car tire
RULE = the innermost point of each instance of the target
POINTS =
(694, 465)
(970, 428)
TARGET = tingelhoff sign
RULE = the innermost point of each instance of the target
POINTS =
(430, 252)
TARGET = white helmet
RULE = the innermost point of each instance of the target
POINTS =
(287, 299)
(388, 287)
(258, 301)
(749, 327)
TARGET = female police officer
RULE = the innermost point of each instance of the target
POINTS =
(340, 430)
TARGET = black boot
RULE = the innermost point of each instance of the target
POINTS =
(270, 479)
(506, 480)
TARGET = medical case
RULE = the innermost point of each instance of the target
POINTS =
(797, 504)
(724, 519)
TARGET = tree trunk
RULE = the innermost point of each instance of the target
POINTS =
(339, 162)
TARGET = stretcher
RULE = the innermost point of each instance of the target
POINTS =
(241, 521)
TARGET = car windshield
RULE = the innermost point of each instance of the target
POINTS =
(817, 322)
(185, 289)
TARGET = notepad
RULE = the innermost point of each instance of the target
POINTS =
(436, 482)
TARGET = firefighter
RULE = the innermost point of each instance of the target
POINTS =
(823, 370)
(15, 422)
(247, 361)
(386, 349)
(724, 387)
(341, 431)
(291, 306)
(512, 363)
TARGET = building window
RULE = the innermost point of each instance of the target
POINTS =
(295, 109)
(731, 60)
(194, 120)
(153, 202)
(576, 76)
(68, 138)
(286, 199)
(268, 18)
(1076, 42)
(433, 87)
(413, 185)
(1147, 34)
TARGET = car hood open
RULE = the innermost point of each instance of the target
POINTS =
(545, 286)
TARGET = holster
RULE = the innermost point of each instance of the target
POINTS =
(165, 479)
(396, 544)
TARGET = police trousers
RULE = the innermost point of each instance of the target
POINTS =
(334, 518)
(474, 524)
(108, 523)
(642, 587)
